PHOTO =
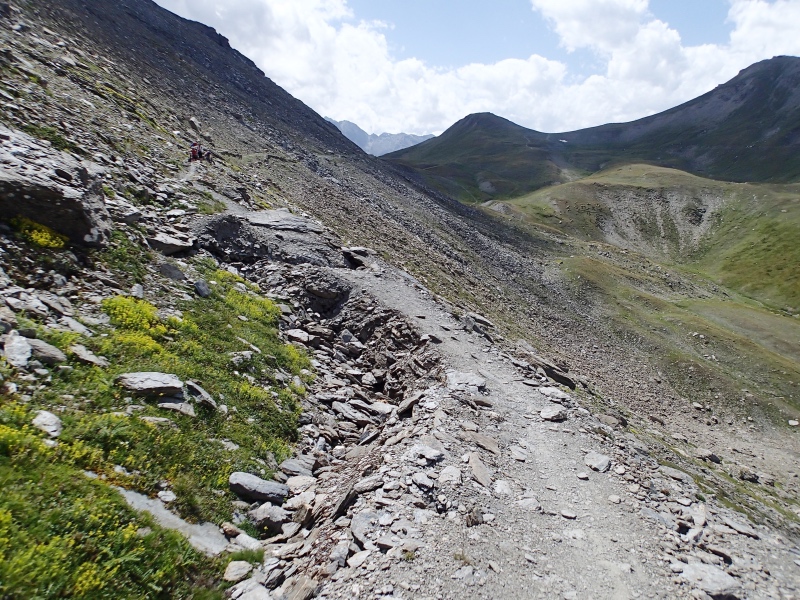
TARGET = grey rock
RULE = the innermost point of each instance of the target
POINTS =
(251, 487)
(167, 496)
(664, 518)
(484, 441)
(86, 356)
(183, 408)
(171, 271)
(352, 414)
(275, 235)
(713, 581)
(206, 537)
(52, 188)
(502, 488)
(450, 474)
(740, 527)
(237, 570)
(269, 517)
(293, 467)
(200, 395)
(48, 422)
(137, 291)
(530, 504)
(479, 471)
(422, 481)
(553, 413)
(249, 589)
(358, 559)
(150, 383)
(75, 326)
(675, 474)
(170, 244)
(17, 350)
(362, 525)
(340, 553)
(300, 587)
(202, 288)
(457, 380)
(705, 454)
(368, 484)
(426, 452)
(46, 353)
(597, 462)
(408, 403)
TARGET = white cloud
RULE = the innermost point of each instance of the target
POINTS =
(343, 68)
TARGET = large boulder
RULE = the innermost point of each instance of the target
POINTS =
(52, 188)
(274, 234)
(252, 487)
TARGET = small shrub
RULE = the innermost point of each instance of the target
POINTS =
(133, 314)
(251, 556)
(38, 234)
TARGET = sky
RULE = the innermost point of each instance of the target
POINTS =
(418, 66)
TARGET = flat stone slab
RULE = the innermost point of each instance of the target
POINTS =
(46, 353)
(205, 537)
(86, 356)
(17, 350)
(252, 487)
(283, 220)
(597, 462)
(553, 413)
(479, 471)
(150, 383)
(713, 581)
(484, 441)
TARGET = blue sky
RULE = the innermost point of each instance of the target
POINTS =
(480, 31)
(418, 66)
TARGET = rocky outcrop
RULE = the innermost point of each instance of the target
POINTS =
(52, 188)
(275, 234)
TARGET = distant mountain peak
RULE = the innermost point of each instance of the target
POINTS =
(377, 145)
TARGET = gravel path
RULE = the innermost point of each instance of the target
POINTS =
(553, 527)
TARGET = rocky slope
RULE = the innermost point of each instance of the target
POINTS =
(377, 145)
(221, 339)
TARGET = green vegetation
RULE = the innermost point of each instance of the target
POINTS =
(210, 205)
(52, 135)
(126, 256)
(64, 535)
(55, 520)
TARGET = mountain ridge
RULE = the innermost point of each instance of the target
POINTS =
(747, 129)
(378, 144)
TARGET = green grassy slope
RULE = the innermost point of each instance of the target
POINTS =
(743, 236)
(482, 157)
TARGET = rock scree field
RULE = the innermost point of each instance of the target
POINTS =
(300, 371)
